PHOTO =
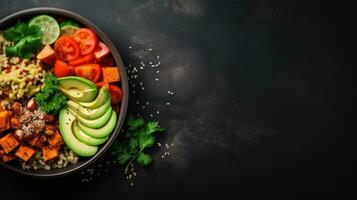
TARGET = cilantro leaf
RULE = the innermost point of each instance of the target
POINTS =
(146, 141)
(138, 138)
(27, 40)
(153, 127)
(135, 124)
(144, 159)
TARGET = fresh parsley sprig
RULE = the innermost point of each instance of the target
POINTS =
(137, 139)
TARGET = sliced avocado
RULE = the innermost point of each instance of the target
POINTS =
(102, 132)
(95, 123)
(78, 88)
(102, 97)
(89, 113)
(81, 136)
(79, 95)
(66, 121)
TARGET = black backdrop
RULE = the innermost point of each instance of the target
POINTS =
(260, 103)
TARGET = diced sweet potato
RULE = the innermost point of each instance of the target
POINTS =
(24, 153)
(50, 153)
(47, 55)
(55, 139)
(4, 121)
(110, 74)
(8, 143)
(6, 157)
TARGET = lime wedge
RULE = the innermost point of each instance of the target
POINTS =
(49, 27)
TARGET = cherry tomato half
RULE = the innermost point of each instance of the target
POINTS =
(66, 48)
(87, 40)
(89, 71)
(62, 69)
(115, 93)
(101, 51)
(89, 58)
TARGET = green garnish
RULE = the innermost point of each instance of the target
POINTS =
(27, 40)
(138, 138)
(51, 99)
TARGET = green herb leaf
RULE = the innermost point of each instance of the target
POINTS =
(27, 39)
(138, 138)
(144, 159)
(51, 99)
(153, 127)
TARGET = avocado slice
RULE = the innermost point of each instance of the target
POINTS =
(66, 121)
(95, 123)
(81, 136)
(89, 113)
(102, 132)
(78, 88)
(102, 96)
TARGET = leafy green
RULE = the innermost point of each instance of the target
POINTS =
(27, 40)
(51, 99)
(138, 138)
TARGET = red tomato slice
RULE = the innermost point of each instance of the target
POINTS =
(82, 60)
(115, 93)
(66, 48)
(101, 51)
(87, 40)
(102, 84)
(89, 71)
(62, 69)
(107, 62)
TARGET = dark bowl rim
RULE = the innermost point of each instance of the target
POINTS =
(124, 82)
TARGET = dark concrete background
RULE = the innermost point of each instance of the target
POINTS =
(257, 111)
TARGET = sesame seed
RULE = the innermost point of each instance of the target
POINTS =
(133, 91)
(167, 103)
(142, 88)
(153, 66)
(150, 49)
(157, 112)
(144, 107)
(147, 103)
(141, 67)
(137, 102)
(150, 63)
(159, 144)
(156, 79)
(172, 144)
(162, 156)
(141, 83)
(158, 71)
(131, 184)
(151, 115)
(130, 47)
(158, 57)
(169, 91)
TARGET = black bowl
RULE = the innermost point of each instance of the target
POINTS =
(83, 162)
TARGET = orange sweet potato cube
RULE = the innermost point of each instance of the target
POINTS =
(4, 121)
(8, 143)
(55, 139)
(24, 152)
(110, 74)
(6, 157)
(50, 153)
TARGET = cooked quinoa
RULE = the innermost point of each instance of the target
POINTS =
(66, 157)
(22, 77)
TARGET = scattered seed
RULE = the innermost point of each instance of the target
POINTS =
(168, 103)
(159, 144)
(158, 71)
(158, 57)
(142, 88)
(137, 102)
(150, 49)
(143, 107)
(156, 79)
(157, 112)
(151, 115)
(130, 47)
